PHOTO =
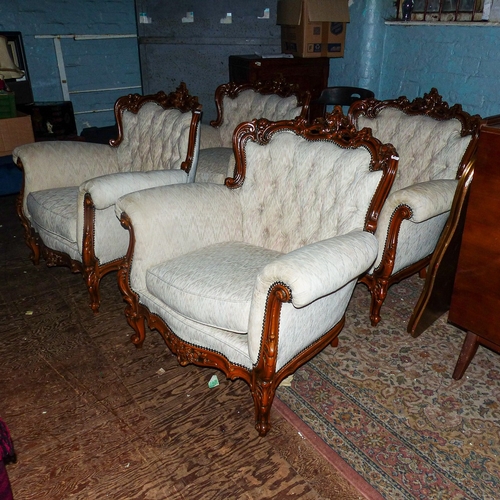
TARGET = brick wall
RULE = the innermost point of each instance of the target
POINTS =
(462, 62)
(89, 64)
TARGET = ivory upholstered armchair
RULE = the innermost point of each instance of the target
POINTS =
(434, 142)
(236, 103)
(253, 277)
(67, 201)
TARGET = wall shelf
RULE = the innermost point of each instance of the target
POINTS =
(484, 24)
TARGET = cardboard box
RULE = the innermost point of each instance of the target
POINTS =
(313, 28)
(15, 132)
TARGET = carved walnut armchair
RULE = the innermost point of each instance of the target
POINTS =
(434, 142)
(237, 103)
(67, 201)
(253, 277)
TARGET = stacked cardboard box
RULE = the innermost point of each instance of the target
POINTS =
(313, 28)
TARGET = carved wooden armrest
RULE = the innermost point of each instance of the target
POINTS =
(320, 268)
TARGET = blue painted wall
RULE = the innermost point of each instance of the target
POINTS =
(90, 64)
(462, 62)
(197, 53)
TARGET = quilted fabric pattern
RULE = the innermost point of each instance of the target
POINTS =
(357, 249)
(210, 136)
(173, 220)
(426, 199)
(111, 239)
(274, 194)
(321, 277)
(54, 216)
(417, 240)
(154, 139)
(305, 325)
(60, 164)
(213, 285)
(55, 211)
(106, 189)
(428, 149)
(232, 345)
(249, 105)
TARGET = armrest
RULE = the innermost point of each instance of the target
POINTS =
(105, 190)
(209, 137)
(429, 203)
(56, 164)
(171, 220)
(425, 199)
(316, 270)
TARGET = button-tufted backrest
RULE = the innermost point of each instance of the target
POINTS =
(154, 138)
(428, 149)
(298, 191)
(249, 105)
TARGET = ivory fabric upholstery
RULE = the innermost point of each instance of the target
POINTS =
(70, 188)
(59, 174)
(216, 161)
(249, 105)
(298, 218)
(58, 164)
(430, 152)
(155, 139)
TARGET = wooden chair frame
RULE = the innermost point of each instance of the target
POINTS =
(433, 106)
(279, 87)
(92, 272)
(263, 379)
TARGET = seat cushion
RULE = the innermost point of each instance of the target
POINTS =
(213, 285)
(55, 210)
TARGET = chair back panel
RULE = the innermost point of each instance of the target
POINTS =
(297, 191)
(154, 138)
(428, 149)
(249, 105)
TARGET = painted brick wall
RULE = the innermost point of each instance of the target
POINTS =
(463, 62)
(90, 64)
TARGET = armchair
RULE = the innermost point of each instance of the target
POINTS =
(253, 277)
(66, 204)
(238, 103)
(435, 142)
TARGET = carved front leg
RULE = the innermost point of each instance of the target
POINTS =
(33, 241)
(263, 382)
(263, 396)
(378, 295)
(30, 236)
(93, 280)
(132, 311)
(138, 323)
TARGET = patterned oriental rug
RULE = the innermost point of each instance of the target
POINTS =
(387, 405)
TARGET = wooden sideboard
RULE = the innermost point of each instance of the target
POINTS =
(310, 74)
(475, 300)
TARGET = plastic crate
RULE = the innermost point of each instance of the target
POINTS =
(7, 105)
